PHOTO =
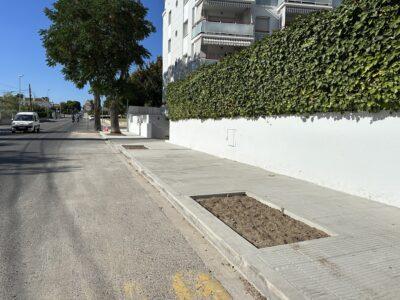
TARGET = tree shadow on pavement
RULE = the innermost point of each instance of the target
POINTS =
(30, 164)
(51, 211)
(8, 133)
(54, 139)
(6, 144)
(58, 216)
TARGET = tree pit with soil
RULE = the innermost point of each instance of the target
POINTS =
(261, 225)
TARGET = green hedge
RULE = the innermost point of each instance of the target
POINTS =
(334, 61)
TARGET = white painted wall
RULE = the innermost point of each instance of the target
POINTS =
(149, 126)
(355, 153)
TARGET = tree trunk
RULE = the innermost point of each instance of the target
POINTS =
(114, 116)
(97, 123)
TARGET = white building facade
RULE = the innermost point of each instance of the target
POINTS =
(205, 31)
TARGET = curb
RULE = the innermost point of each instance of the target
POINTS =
(103, 136)
(238, 252)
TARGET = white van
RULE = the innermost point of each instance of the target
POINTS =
(26, 121)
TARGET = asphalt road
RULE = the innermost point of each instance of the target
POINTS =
(76, 224)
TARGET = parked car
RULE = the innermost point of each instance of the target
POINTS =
(26, 121)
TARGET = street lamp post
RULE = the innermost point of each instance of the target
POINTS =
(19, 93)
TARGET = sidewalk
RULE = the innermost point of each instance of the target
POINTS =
(361, 259)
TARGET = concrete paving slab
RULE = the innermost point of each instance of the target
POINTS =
(360, 260)
(125, 135)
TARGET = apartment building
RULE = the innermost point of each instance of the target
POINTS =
(204, 31)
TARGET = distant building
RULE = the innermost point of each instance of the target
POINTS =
(40, 102)
(204, 31)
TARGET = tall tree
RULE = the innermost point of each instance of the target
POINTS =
(97, 42)
(146, 85)
(9, 103)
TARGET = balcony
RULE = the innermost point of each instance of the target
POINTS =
(327, 3)
(224, 2)
(267, 2)
(226, 29)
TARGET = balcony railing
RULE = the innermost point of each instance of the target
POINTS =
(228, 1)
(223, 28)
(267, 2)
(309, 2)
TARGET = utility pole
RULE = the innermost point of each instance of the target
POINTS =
(30, 97)
(19, 95)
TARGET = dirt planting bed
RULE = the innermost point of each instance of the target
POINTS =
(258, 223)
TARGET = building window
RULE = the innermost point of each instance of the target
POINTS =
(193, 15)
(169, 18)
(176, 3)
(169, 45)
(185, 29)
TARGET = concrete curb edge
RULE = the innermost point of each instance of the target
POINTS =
(246, 262)
(103, 136)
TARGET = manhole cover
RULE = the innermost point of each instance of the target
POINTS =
(135, 147)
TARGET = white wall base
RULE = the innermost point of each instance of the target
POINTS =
(355, 153)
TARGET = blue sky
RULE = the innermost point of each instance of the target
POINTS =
(21, 51)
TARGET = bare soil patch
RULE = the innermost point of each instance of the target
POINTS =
(261, 225)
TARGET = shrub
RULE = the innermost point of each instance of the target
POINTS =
(42, 114)
(343, 60)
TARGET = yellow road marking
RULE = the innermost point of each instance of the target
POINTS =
(202, 286)
(182, 292)
(211, 288)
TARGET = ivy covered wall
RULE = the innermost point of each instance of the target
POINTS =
(333, 61)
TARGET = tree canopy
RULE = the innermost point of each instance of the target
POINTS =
(9, 103)
(144, 87)
(70, 106)
(96, 42)
(147, 84)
